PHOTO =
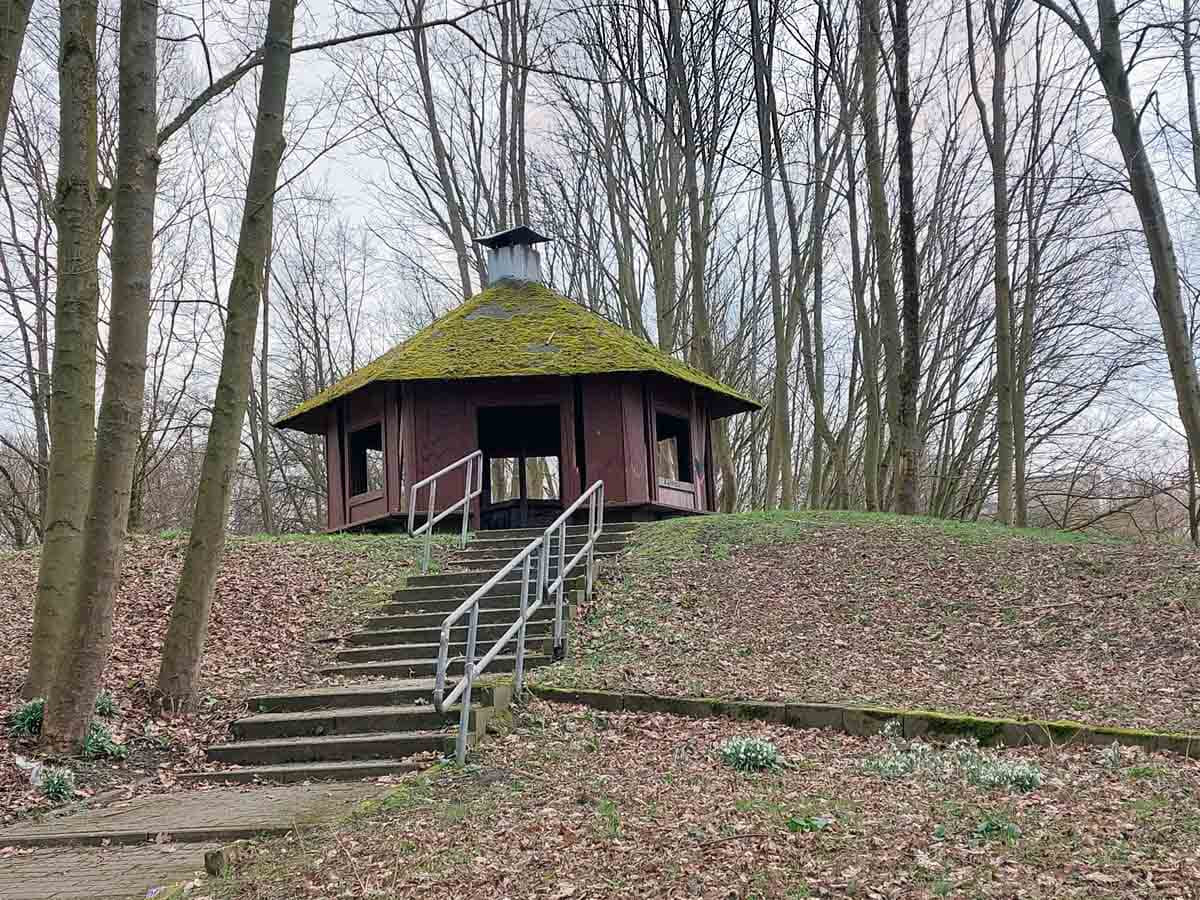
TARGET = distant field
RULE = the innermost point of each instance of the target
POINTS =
(865, 609)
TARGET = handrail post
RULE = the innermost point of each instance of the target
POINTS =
(468, 483)
(429, 527)
(519, 669)
(464, 714)
(562, 583)
(591, 545)
(544, 568)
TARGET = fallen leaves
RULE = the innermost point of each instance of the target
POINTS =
(872, 611)
(274, 597)
(597, 805)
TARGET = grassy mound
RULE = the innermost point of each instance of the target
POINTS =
(876, 609)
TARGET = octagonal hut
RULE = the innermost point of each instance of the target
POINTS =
(553, 395)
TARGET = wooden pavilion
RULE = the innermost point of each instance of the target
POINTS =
(553, 395)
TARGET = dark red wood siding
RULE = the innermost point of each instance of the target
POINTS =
(428, 425)
(335, 509)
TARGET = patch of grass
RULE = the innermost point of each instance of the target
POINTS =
(996, 827)
(26, 721)
(99, 743)
(749, 754)
(717, 536)
(57, 784)
(796, 824)
(106, 706)
(1146, 772)
(610, 818)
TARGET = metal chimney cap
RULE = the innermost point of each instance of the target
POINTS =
(521, 234)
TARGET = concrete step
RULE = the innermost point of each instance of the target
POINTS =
(495, 563)
(448, 606)
(376, 693)
(353, 720)
(434, 619)
(428, 666)
(468, 580)
(388, 652)
(530, 533)
(380, 745)
(535, 628)
(445, 607)
(451, 591)
(349, 770)
(611, 544)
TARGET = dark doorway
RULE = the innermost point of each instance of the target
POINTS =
(522, 465)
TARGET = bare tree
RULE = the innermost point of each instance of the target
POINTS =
(184, 646)
(72, 698)
(73, 378)
(1106, 51)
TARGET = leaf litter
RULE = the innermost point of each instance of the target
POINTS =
(597, 805)
(275, 596)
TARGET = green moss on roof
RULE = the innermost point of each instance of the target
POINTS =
(517, 328)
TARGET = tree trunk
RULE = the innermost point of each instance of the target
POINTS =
(996, 140)
(779, 443)
(73, 378)
(14, 19)
(871, 48)
(909, 440)
(184, 647)
(260, 418)
(73, 694)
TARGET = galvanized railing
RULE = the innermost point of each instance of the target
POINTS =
(594, 498)
(472, 464)
(541, 549)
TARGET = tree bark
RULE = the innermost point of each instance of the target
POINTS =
(871, 48)
(909, 440)
(184, 647)
(14, 20)
(995, 138)
(73, 694)
(779, 443)
(73, 376)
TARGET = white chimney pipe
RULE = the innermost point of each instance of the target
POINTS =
(513, 254)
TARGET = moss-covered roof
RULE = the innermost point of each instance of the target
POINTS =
(517, 328)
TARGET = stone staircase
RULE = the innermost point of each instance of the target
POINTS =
(376, 725)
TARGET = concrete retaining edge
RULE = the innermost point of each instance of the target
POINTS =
(864, 721)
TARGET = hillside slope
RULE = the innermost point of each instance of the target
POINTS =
(872, 609)
(274, 597)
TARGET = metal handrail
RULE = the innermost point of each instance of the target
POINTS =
(594, 497)
(541, 546)
(472, 476)
(472, 668)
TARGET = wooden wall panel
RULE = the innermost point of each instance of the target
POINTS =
(427, 425)
(446, 431)
(696, 424)
(335, 507)
(677, 493)
(709, 462)
(604, 435)
(392, 456)
(568, 460)
(633, 419)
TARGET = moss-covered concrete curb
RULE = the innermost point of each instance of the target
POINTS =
(868, 720)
